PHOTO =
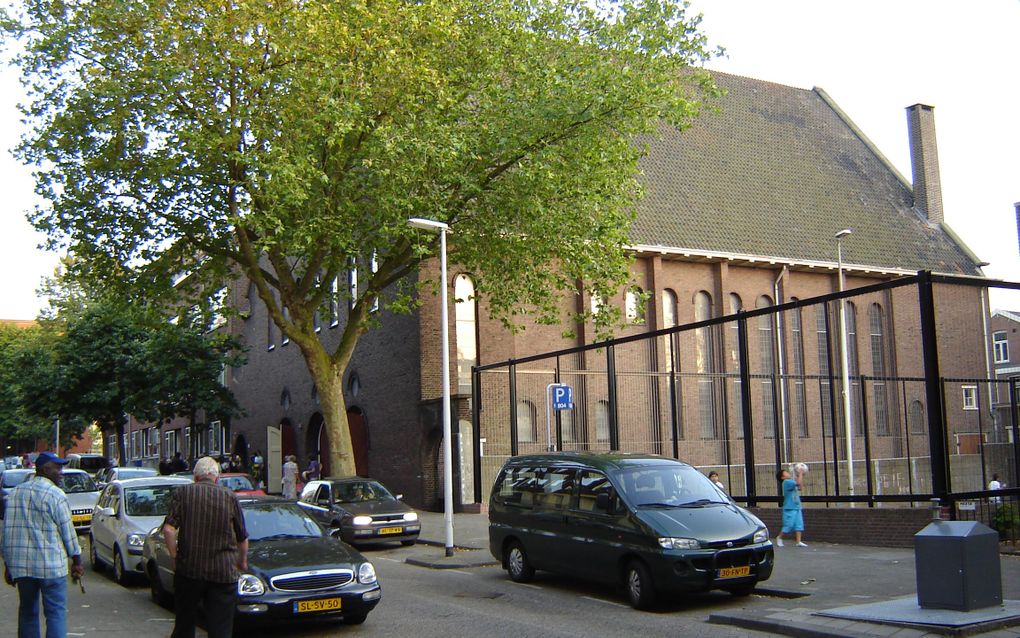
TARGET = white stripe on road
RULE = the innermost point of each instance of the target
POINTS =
(527, 585)
(607, 602)
(455, 571)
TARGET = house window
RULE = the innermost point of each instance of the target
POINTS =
(316, 321)
(526, 432)
(669, 310)
(215, 437)
(334, 302)
(635, 306)
(467, 337)
(1000, 345)
(352, 282)
(970, 397)
(824, 370)
(915, 417)
(270, 334)
(602, 421)
(766, 355)
(705, 366)
(876, 319)
(797, 359)
(286, 316)
(374, 267)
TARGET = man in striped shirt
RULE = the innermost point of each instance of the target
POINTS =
(37, 539)
(206, 538)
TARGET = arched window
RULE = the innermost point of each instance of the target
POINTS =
(799, 397)
(915, 417)
(669, 309)
(876, 321)
(766, 357)
(824, 369)
(735, 403)
(526, 432)
(705, 366)
(602, 421)
(853, 361)
(466, 330)
(270, 330)
(635, 305)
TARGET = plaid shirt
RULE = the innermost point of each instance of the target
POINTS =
(38, 535)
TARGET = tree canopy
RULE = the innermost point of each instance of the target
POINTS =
(283, 140)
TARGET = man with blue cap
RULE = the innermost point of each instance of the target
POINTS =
(38, 537)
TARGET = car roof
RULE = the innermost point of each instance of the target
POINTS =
(605, 461)
(259, 499)
(74, 470)
(148, 481)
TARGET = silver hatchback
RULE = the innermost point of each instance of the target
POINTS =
(124, 514)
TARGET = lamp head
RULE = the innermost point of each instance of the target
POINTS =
(427, 224)
(843, 233)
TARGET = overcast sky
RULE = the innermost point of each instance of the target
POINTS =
(874, 57)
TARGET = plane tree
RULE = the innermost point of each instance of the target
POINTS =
(280, 141)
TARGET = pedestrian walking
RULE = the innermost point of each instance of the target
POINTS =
(995, 485)
(313, 470)
(290, 475)
(208, 542)
(38, 537)
(793, 516)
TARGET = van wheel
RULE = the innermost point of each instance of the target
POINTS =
(517, 563)
(97, 565)
(638, 583)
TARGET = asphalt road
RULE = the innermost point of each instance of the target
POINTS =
(421, 602)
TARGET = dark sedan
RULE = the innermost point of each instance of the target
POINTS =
(363, 510)
(295, 569)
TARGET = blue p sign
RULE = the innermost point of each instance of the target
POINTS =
(562, 397)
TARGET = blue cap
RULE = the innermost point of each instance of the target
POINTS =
(49, 457)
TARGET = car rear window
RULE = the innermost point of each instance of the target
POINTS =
(92, 463)
(148, 501)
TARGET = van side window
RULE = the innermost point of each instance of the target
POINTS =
(557, 488)
(519, 485)
(592, 484)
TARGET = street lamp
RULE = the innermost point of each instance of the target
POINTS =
(442, 229)
(845, 363)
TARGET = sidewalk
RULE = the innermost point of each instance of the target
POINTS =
(858, 589)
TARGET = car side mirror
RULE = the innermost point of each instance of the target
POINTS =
(399, 497)
(106, 511)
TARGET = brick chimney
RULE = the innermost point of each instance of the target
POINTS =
(924, 161)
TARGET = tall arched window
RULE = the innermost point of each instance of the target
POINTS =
(602, 421)
(766, 357)
(466, 330)
(853, 361)
(270, 330)
(915, 417)
(876, 321)
(705, 366)
(526, 432)
(799, 397)
(635, 305)
(670, 318)
(735, 403)
(824, 369)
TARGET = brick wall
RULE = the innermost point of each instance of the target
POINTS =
(873, 526)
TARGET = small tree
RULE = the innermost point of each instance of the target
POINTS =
(282, 141)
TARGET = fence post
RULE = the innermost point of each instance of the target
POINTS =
(674, 405)
(865, 426)
(614, 411)
(476, 417)
(932, 387)
(513, 408)
(745, 406)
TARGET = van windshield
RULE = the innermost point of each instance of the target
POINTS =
(669, 486)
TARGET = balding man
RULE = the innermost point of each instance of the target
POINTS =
(205, 535)
(37, 539)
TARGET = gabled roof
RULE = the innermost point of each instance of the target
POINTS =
(776, 172)
(1008, 314)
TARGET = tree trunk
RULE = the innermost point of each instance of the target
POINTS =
(334, 415)
(121, 451)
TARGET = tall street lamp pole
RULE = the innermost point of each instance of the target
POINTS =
(845, 363)
(442, 229)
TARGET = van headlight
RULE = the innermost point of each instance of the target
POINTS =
(250, 585)
(366, 574)
(362, 520)
(679, 543)
(761, 535)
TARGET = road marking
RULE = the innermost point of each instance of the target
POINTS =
(392, 560)
(607, 602)
(527, 585)
(455, 571)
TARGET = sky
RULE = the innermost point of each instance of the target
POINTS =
(874, 57)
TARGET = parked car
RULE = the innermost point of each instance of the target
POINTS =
(110, 474)
(239, 483)
(82, 494)
(124, 514)
(91, 463)
(9, 479)
(649, 523)
(295, 569)
(363, 510)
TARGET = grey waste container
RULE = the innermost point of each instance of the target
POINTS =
(957, 565)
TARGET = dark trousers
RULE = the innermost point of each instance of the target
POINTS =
(218, 600)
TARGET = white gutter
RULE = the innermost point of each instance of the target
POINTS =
(783, 417)
(767, 260)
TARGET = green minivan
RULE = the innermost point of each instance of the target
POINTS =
(650, 523)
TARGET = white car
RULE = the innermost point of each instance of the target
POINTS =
(82, 494)
(126, 511)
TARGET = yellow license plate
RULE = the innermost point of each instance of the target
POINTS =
(81, 518)
(735, 572)
(323, 604)
(391, 530)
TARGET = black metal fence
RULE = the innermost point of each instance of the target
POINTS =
(909, 410)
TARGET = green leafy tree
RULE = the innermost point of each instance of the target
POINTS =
(27, 369)
(281, 140)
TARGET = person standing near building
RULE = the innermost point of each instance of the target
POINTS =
(37, 540)
(290, 475)
(313, 470)
(793, 516)
(208, 542)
